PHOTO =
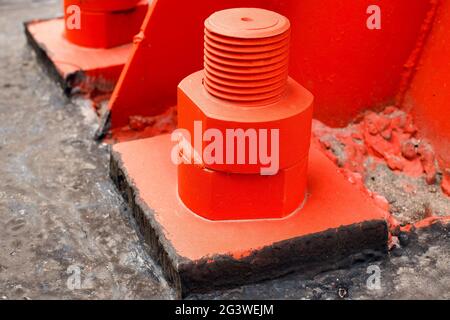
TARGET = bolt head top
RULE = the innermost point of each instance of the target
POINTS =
(247, 23)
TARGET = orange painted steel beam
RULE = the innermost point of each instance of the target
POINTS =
(347, 66)
(240, 88)
(103, 5)
(428, 98)
(75, 68)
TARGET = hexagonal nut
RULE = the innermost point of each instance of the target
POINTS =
(286, 123)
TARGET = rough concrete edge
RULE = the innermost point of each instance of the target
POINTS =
(47, 63)
(309, 255)
(416, 53)
(65, 83)
(159, 246)
(361, 242)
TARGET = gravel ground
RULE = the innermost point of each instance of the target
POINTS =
(60, 215)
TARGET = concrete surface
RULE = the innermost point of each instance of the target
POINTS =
(59, 211)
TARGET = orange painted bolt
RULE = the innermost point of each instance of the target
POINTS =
(247, 63)
(103, 23)
(249, 123)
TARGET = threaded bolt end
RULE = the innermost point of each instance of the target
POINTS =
(246, 56)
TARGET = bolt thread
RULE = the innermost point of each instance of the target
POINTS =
(248, 71)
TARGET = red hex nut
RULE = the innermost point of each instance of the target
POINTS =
(241, 104)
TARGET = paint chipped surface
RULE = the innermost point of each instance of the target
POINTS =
(83, 70)
(51, 154)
